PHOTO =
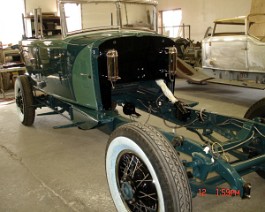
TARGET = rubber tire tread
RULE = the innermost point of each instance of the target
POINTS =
(27, 95)
(165, 160)
(256, 110)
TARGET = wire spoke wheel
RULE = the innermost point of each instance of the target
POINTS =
(24, 101)
(257, 110)
(144, 172)
(19, 101)
(136, 183)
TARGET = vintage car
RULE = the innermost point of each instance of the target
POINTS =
(234, 50)
(109, 53)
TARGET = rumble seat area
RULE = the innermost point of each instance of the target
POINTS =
(140, 58)
(257, 31)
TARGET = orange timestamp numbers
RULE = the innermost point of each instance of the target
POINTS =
(225, 192)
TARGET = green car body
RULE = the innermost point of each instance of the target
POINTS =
(116, 57)
(73, 67)
(61, 61)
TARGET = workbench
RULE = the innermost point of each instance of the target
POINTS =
(14, 71)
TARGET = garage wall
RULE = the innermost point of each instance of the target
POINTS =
(201, 13)
(197, 13)
(45, 5)
(258, 6)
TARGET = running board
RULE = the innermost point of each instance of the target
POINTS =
(237, 83)
(77, 124)
(186, 71)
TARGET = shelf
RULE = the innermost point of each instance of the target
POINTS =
(50, 25)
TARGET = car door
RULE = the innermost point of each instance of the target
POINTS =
(226, 48)
(228, 52)
(56, 76)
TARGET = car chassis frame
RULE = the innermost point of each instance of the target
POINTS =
(208, 155)
(226, 148)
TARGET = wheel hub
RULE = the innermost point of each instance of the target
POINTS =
(136, 184)
(19, 102)
(127, 191)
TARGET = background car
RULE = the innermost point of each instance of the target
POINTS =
(235, 50)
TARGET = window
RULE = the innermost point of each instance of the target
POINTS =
(84, 16)
(73, 17)
(89, 16)
(229, 29)
(11, 27)
(170, 23)
(138, 16)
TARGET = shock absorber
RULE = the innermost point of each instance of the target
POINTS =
(112, 66)
(172, 62)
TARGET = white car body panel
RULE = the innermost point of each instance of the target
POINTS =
(236, 55)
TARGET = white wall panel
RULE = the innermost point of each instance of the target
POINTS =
(11, 28)
(197, 13)
(45, 5)
(201, 13)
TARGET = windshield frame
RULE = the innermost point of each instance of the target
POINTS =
(118, 25)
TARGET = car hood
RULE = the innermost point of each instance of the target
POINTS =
(85, 39)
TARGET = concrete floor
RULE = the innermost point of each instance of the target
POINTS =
(43, 169)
